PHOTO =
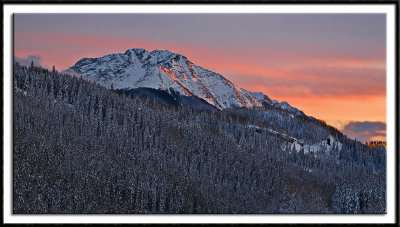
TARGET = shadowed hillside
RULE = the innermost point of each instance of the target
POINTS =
(80, 148)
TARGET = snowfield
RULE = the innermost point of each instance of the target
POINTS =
(163, 70)
(297, 144)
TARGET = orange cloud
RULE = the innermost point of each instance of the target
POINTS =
(333, 88)
(336, 110)
(228, 61)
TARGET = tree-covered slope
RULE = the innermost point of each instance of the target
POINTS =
(81, 148)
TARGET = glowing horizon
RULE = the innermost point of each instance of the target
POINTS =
(332, 67)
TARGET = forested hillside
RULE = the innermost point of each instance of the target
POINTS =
(80, 148)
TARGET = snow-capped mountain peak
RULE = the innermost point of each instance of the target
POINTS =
(165, 70)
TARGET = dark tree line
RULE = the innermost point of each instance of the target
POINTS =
(80, 148)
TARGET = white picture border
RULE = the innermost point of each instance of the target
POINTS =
(10, 9)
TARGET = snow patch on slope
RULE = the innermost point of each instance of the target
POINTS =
(292, 143)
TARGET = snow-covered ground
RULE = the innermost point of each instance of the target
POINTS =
(317, 147)
(297, 145)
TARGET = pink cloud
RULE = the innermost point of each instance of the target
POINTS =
(366, 131)
(330, 80)
(261, 57)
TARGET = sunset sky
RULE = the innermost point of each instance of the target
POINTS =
(331, 66)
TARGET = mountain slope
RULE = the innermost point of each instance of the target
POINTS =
(168, 97)
(163, 70)
(79, 148)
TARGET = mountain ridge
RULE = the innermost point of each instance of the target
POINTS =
(163, 70)
(140, 154)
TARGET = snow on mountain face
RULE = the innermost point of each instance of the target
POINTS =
(161, 69)
(269, 103)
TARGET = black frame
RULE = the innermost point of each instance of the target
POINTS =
(202, 2)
